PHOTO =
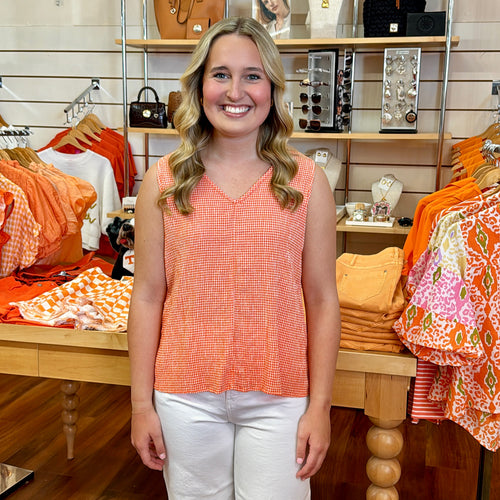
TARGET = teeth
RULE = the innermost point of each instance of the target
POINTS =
(236, 109)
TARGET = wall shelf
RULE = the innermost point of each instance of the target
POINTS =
(342, 136)
(396, 229)
(303, 44)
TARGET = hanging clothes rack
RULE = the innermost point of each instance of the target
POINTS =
(81, 101)
(19, 475)
(15, 136)
(489, 150)
(15, 131)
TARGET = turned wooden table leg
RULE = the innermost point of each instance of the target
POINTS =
(385, 442)
(385, 405)
(69, 414)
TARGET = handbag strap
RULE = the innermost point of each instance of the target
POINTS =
(173, 9)
(152, 90)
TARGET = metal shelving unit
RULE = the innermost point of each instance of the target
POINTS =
(304, 45)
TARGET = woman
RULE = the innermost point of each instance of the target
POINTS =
(276, 17)
(235, 234)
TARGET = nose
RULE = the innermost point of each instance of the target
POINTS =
(235, 90)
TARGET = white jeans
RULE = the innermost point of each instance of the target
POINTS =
(234, 445)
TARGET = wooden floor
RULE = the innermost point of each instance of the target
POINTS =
(439, 462)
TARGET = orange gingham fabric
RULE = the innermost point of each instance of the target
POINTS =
(92, 301)
(6, 207)
(22, 247)
(233, 317)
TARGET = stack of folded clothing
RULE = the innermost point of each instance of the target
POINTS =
(371, 299)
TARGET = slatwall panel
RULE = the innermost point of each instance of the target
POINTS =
(51, 49)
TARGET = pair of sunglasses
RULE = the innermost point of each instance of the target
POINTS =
(315, 83)
(317, 110)
(312, 124)
(315, 98)
(345, 87)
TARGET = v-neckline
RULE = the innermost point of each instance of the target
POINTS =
(246, 193)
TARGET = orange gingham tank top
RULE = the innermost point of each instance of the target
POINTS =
(233, 317)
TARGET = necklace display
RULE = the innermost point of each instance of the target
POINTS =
(386, 193)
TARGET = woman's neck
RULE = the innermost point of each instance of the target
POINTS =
(227, 149)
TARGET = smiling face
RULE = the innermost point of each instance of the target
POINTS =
(236, 90)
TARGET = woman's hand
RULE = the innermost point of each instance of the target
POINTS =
(313, 440)
(147, 438)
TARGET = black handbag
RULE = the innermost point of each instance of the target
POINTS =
(388, 17)
(148, 114)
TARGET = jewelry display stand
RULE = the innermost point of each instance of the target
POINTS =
(324, 18)
(12, 478)
(385, 193)
(332, 165)
(400, 90)
(387, 188)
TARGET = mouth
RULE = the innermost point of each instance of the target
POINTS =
(235, 110)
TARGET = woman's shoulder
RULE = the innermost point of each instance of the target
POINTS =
(305, 163)
(163, 164)
(305, 172)
(163, 171)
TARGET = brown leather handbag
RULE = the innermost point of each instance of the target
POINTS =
(181, 19)
(148, 114)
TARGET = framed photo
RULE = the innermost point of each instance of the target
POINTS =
(283, 19)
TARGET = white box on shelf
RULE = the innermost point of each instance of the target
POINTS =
(370, 222)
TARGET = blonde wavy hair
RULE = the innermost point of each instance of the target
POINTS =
(195, 130)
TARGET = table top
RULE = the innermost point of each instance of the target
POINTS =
(348, 360)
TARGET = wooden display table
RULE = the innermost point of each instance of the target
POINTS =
(375, 382)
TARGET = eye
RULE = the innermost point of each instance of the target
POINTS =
(220, 75)
(254, 76)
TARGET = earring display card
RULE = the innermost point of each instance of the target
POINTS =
(400, 89)
(318, 90)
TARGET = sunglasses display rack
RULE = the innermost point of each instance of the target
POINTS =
(400, 88)
(343, 105)
(318, 90)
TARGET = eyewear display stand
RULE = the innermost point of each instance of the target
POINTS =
(12, 478)
(318, 91)
(343, 89)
